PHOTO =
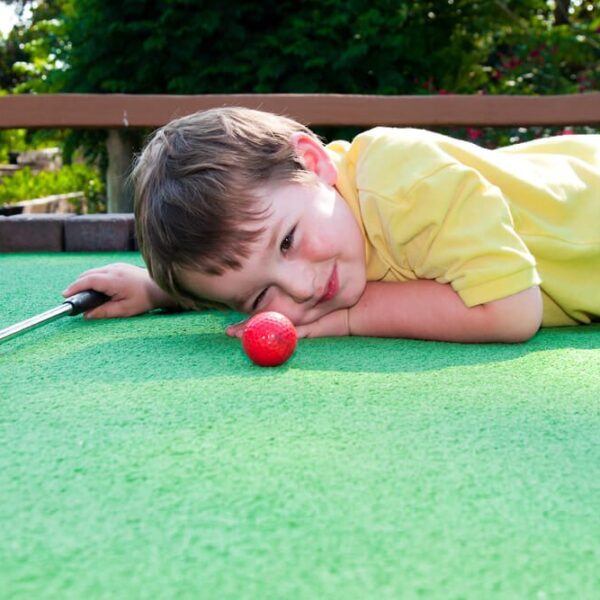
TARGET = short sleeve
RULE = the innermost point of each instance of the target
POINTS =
(462, 233)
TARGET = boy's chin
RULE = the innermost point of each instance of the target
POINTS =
(355, 296)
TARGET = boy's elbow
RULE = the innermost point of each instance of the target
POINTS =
(524, 330)
(517, 318)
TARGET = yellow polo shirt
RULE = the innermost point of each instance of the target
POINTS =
(489, 222)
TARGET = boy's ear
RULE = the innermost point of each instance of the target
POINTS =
(315, 157)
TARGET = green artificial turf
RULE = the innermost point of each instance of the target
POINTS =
(147, 458)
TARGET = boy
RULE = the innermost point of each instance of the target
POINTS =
(402, 233)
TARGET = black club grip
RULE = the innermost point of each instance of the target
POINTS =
(85, 301)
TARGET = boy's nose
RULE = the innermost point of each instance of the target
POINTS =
(298, 283)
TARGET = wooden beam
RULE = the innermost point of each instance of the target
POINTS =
(128, 110)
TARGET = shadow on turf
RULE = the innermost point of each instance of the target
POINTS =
(191, 355)
(383, 355)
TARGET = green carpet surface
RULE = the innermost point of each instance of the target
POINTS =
(147, 458)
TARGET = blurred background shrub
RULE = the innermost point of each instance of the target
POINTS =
(27, 185)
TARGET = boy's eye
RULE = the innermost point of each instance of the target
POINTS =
(287, 241)
(259, 299)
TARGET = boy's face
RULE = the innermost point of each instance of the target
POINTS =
(309, 262)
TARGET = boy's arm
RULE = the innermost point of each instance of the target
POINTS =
(429, 310)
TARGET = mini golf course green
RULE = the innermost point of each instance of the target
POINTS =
(147, 458)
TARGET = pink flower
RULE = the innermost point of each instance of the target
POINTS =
(512, 63)
(473, 133)
(567, 131)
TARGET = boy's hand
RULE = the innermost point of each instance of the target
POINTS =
(131, 290)
(331, 325)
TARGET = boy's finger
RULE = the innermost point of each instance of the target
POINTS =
(111, 268)
(303, 331)
(234, 332)
(110, 310)
(94, 281)
(237, 329)
(94, 271)
(77, 286)
(85, 276)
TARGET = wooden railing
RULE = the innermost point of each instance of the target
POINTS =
(119, 112)
(127, 110)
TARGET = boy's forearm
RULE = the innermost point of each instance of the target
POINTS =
(160, 299)
(434, 311)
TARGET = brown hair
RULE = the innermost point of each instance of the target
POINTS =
(195, 187)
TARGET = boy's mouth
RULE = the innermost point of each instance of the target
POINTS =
(333, 285)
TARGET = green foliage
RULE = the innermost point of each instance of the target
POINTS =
(11, 53)
(17, 140)
(536, 56)
(24, 185)
(32, 58)
(558, 60)
(11, 140)
(355, 46)
(349, 46)
(34, 54)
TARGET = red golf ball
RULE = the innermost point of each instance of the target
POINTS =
(269, 339)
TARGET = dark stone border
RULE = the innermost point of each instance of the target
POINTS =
(62, 232)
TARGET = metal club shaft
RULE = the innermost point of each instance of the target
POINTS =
(33, 322)
(72, 306)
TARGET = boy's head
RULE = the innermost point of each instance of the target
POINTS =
(196, 186)
(213, 194)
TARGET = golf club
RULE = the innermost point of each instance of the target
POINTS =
(74, 305)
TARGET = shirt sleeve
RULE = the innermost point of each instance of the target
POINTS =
(464, 235)
(440, 218)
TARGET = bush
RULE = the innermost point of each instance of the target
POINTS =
(20, 140)
(542, 58)
(24, 185)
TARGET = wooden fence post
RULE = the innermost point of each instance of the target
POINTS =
(120, 155)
